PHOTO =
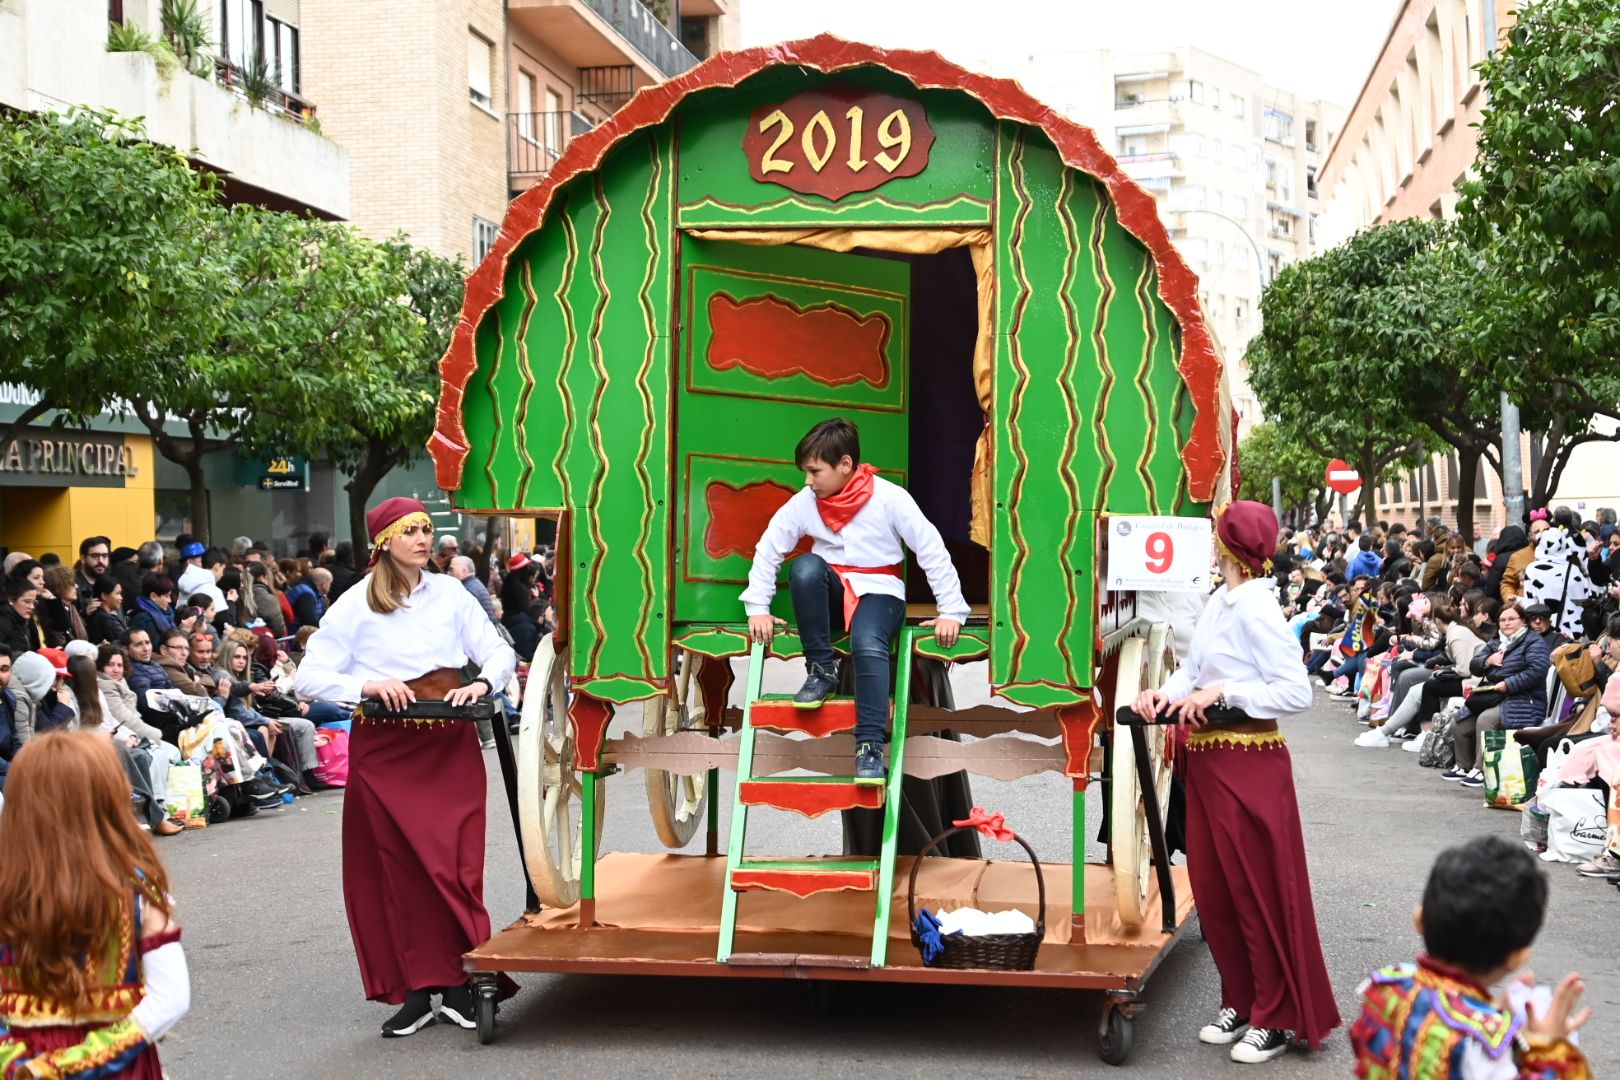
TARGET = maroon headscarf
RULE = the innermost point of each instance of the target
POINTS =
(388, 519)
(1247, 531)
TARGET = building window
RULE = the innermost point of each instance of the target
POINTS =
(525, 105)
(281, 48)
(554, 122)
(1279, 127)
(1310, 136)
(480, 65)
(484, 233)
(1310, 181)
(1237, 206)
(1235, 102)
(241, 32)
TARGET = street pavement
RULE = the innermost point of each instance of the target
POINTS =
(276, 991)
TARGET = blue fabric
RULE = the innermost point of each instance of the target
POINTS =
(329, 714)
(8, 733)
(158, 618)
(818, 605)
(1365, 563)
(1524, 669)
(930, 942)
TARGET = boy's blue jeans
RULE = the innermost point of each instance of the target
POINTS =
(818, 605)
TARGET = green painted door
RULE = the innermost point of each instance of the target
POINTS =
(774, 340)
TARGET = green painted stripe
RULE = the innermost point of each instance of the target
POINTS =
(789, 697)
(809, 866)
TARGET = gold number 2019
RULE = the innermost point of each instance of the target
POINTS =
(893, 134)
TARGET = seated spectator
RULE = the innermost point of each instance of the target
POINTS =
(308, 597)
(9, 742)
(1422, 695)
(342, 567)
(106, 621)
(19, 629)
(43, 701)
(13, 560)
(1512, 693)
(462, 568)
(122, 716)
(153, 608)
(30, 569)
(272, 663)
(234, 676)
(260, 600)
(201, 727)
(233, 613)
(58, 609)
(82, 683)
(188, 619)
(203, 569)
(1539, 616)
(286, 576)
(518, 600)
(95, 559)
(1482, 909)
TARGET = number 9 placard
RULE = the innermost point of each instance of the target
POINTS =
(837, 140)
(1165, 554)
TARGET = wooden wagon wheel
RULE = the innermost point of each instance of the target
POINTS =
(678, 803)
(1142, 663)
(549, 790)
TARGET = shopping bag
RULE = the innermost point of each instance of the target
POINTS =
(1510, 770)
(1439, 752)
(1577, 823)
(1555, 761)
(1533, 826)
(332, 755)
(186, 801)
(1613, 845)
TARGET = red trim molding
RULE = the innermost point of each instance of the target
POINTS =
(784, 716)
(1203, 456)
(811, 800)
(802, 883)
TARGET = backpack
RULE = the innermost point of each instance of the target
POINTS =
(1575, 669)
(1438, 751)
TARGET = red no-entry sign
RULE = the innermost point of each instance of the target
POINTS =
(1342, 478)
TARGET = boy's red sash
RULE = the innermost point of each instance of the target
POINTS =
(839, 510)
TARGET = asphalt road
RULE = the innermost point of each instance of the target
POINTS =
(276, 991)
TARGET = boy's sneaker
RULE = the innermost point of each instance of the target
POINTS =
(1602, 866)
(1454, 773)
(818, 685)
(1373, 738)
(413, 1016)
(1474, 779)
(1226, 1028)
(869, 762)
(1261, 1044)
(1416, 744)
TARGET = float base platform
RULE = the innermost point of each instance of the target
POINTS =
(659, 915)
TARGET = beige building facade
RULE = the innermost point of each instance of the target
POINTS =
(1232, 161)
(453, 107)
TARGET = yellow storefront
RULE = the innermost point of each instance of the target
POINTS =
(58, 487)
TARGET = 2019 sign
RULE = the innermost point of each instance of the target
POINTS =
(837, 140)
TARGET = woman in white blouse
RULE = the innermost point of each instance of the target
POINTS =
(413, 814)
(1245, 846)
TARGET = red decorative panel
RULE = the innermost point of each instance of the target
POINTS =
(835, 715)
(1079, 726)
(802, 883)
(810, 799)
(738, 516)
(591, 717)
(837, 140)
(773, 338)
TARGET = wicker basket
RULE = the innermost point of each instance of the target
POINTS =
(997, 952)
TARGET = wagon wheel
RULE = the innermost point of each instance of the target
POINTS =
(1142, 663)
(677, 802)
(549, 790)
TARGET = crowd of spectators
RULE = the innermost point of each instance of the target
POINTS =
(185, 654)
(1436, 640)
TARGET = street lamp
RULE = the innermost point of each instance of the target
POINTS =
(1259, 259)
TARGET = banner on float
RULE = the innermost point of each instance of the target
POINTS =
(1163, 554)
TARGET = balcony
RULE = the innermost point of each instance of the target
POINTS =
(1145, 167)
(274, 99)
(536, 141)
(1145, 117)
(605, 33)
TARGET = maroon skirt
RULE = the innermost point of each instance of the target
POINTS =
(1246, 862)
(413, 853)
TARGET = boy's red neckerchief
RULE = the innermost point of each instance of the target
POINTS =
(840, 509)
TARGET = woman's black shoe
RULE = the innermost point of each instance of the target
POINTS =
(456, 1006)
(315, 783)
(413, 1016)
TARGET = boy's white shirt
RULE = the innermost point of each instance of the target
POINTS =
(873, 537)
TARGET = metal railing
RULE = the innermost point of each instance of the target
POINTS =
(275, 99)
(645, 34)
(537, 140)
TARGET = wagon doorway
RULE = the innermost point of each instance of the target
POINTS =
(778, 336)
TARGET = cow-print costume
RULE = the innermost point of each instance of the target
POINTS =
(1558, 579)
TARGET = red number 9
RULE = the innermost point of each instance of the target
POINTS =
(1161, 552)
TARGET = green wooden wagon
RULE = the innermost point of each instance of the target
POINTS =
(777, 236)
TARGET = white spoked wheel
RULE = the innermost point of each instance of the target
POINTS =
(550, 795)
(678, 803)
(1141, 665)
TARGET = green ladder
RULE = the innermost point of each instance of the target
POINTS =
(812, 796)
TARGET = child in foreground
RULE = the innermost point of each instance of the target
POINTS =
(1482, 909)
(91, 970)
(854, 573)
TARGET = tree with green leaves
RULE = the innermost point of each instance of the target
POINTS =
(98, 256)
(1266, 454)
(1544, 212)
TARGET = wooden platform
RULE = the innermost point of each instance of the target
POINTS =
(658, 915)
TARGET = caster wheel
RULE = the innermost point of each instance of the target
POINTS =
(219, 809)
(1114, 1036)
(486, 1012)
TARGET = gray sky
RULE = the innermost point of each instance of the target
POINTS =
(1319, 48)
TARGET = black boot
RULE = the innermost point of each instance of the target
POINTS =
(413, 1016)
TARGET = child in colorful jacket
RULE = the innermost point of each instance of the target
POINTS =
(1481, 910)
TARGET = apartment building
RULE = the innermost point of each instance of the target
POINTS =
(1232, 161)
(453, 107)
(254, 127)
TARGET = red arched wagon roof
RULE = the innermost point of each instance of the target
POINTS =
(1200, 366)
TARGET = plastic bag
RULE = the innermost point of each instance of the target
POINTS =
(186, 801)
(1577, 823)
(1533, 827)
(332, 755)
(1555, 762)
(1438, 750)
(1510, 771)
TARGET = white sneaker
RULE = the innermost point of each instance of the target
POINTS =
(1226, 1028)
(1415, 746)
(1261, 1044)
(1373, 738)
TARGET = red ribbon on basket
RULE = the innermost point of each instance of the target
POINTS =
(992, 825)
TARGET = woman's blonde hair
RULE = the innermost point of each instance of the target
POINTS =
(387, 589)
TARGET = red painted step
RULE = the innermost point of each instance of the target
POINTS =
(805, 877)
(778, 713)
(811, 796)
